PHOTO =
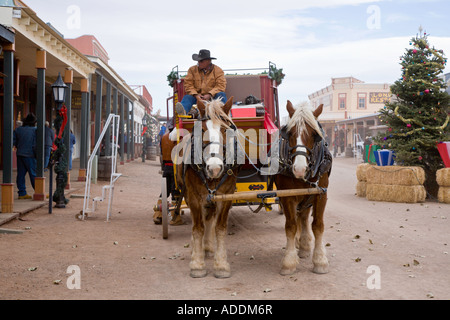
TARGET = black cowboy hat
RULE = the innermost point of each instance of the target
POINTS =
(30, 120)
(202, 55)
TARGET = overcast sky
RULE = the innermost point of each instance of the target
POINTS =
(313, 41)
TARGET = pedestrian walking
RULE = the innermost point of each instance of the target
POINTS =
(24, 139)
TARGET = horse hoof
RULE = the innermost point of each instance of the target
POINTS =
(157, 217)
(287, 272)
(198, 274)
(176, 221)
(321, 269)
(222, 274)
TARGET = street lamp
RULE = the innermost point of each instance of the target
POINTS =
(59, 91)
(59, 94)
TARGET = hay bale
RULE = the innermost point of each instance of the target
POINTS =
(361, 171)
(361, 188)
(396, 193)
(444, 195)
(443, 177)
(396, 175)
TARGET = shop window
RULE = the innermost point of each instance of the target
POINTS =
(342, 101)
(362, 101)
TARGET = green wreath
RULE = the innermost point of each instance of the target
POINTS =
(172, 77)
(276, 74)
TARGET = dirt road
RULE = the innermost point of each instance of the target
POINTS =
(376, 250)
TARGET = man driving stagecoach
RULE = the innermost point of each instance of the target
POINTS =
(205, 81)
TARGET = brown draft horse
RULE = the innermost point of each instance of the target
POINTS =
(307, 163)
(199, 181)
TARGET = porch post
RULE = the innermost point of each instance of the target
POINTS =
(98, 109)
(68, 79)
(115, 111)
(132, 132)
(84, 129)
(8, 119)
(122, 130)
(115, 101)
(41, 66)
(127, 112)
(108, 112)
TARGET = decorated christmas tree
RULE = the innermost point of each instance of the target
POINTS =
(418, 115)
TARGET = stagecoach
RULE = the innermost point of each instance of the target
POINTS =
(252, 113)
(255, 108)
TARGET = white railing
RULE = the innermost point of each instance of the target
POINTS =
(113, 121)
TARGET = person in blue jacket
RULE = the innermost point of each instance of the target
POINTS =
(162, 132)
(24, 139)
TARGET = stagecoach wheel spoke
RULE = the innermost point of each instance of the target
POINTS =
(165, 209)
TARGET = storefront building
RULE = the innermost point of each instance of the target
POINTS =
(346, 100)
(33, 55)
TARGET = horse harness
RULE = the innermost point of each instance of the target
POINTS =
(319, 162)
(200, 169)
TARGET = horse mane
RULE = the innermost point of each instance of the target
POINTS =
(214, 111)
(304, 115)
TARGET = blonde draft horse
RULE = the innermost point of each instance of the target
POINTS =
(210, 220)
(304, 132)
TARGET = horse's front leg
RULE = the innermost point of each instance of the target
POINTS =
(197, 265)
(291, 259)
(304, 238)
(320, 260)
(209, 241)
(222, 268)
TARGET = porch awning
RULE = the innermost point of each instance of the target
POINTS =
(6, 35)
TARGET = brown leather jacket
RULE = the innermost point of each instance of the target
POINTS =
(197, 82)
